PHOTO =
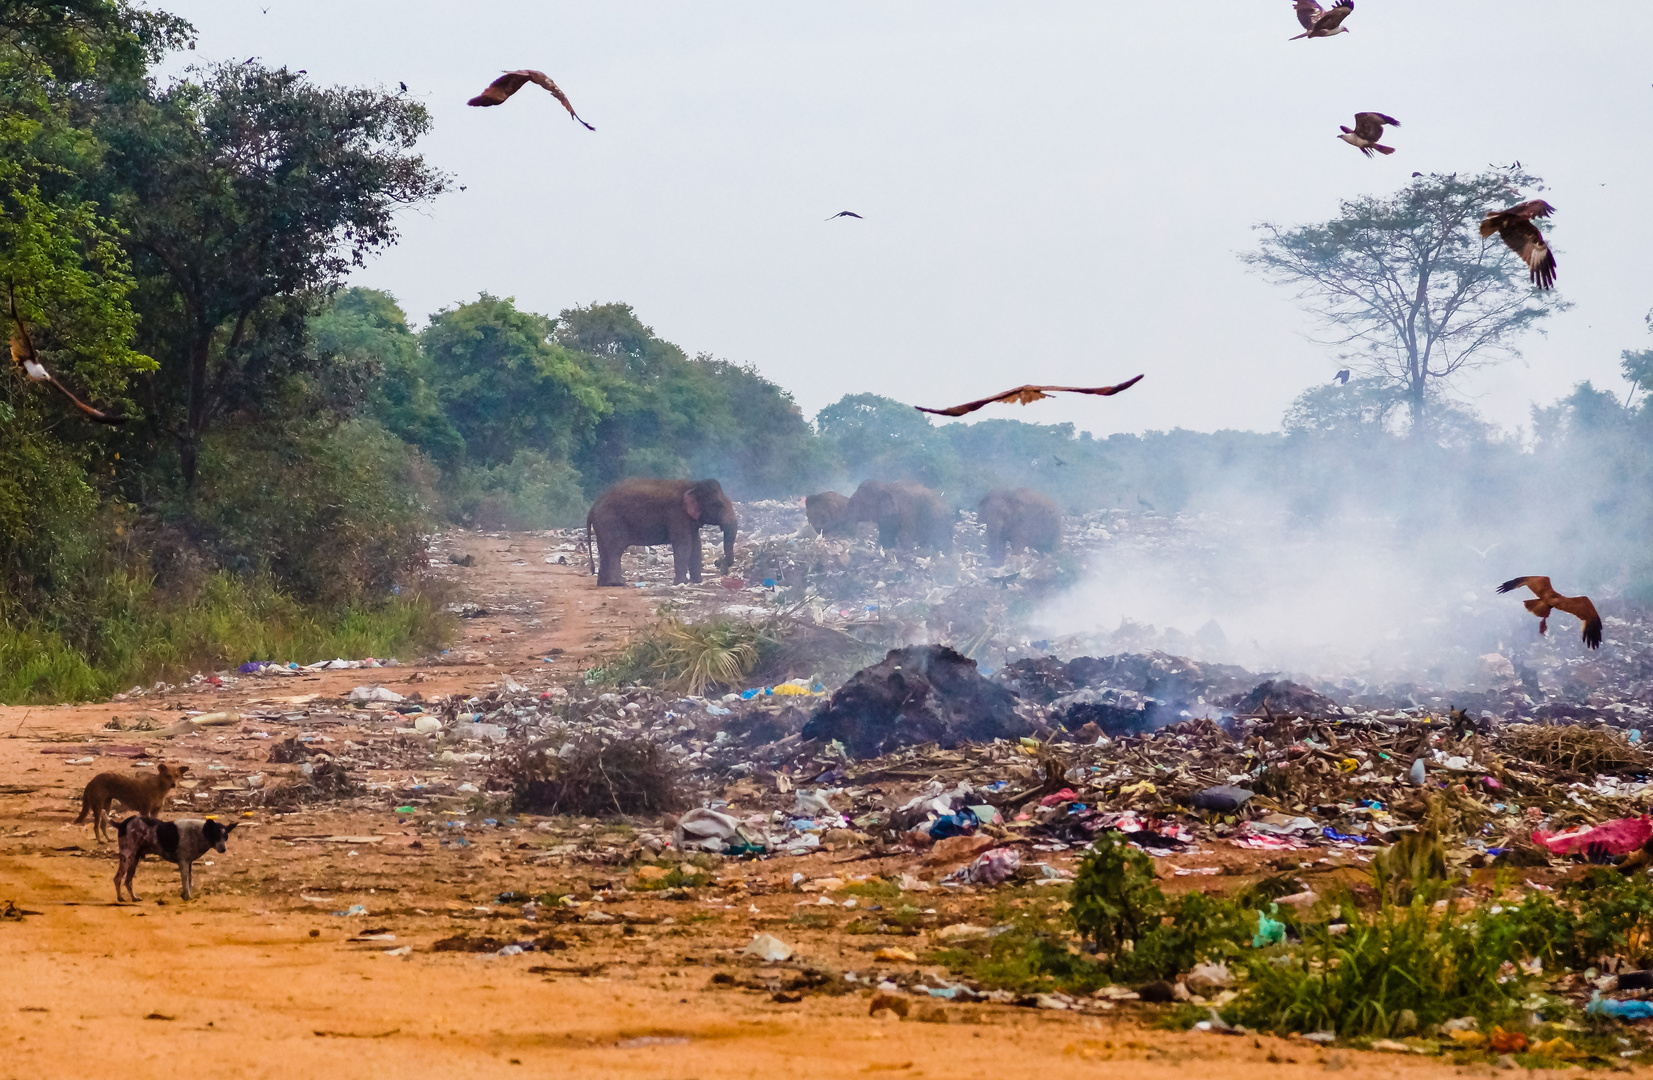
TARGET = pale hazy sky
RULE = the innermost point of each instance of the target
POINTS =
(1053, 192)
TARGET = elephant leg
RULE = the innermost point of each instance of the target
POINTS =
(608, 563)
(697, 557)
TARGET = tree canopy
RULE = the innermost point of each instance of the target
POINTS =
(1407, 284)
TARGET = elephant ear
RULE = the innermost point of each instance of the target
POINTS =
(691, 506)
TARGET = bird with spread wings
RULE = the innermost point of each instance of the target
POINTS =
(1516, 229)
(1367, 131)
(1027, 394)
(1548, 600)
(512, 81)
(25, 357)
(1318, 22)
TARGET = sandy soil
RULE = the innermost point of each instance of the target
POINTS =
(257, 977)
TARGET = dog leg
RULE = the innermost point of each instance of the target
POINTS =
(184, 870)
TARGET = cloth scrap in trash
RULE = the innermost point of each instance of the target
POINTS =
(1618, 837)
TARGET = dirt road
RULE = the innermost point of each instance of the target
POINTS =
(333, 941)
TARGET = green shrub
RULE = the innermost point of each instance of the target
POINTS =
(1115, 897)
(531, 491)
(1403, 959)
(693, 657)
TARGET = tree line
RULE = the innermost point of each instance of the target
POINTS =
(177, 252)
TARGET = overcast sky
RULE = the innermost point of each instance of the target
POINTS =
(1053, 192)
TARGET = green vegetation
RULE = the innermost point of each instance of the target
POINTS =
(177, 251)
(692, 657)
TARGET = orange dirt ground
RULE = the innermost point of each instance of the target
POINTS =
(256, 978)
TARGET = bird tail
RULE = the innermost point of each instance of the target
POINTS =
(1380, 148)
(1533, 605)
(1487, 227)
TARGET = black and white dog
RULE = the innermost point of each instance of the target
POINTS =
(181, 842)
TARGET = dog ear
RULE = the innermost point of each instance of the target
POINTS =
(230, 827)
(180, 769)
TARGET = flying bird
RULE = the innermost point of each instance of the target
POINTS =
(1342, 377)
(1549, 600)
(1483, 553)
(24, 356)
(512, 81)
(1516, 227)
(1322, 23)
(1027, 394)
(1367, 131)
(846, 213)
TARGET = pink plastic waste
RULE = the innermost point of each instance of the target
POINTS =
(990, 868)
(1618, 837)
(1067, 794)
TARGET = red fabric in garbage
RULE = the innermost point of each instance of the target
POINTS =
(1067, 794)
(1618, 837)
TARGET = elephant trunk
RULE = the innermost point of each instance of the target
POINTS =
(728, 559)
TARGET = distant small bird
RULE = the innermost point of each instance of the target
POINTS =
(512, 81)
(1367, 131)
(1028, 394)
(1517, 230)
(1342, 377)
(1143, 502)
(1549, 600)
(24, 356)
(1482, 553)
(845, 213)
(1416, 175)
(1321, 23)
(404, 86)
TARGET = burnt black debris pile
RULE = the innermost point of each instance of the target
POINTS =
(1281, 697)
(1133, 692)
(920, 694)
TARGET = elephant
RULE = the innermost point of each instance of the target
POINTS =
(642, 512)
(1018, 519)
(828, 514)
(908, 515)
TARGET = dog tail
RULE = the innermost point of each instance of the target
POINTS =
(85, 805)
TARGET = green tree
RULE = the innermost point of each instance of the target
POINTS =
(879, 438)
(364, 329)
(506, 385)
(1409, 286)
(247, 195)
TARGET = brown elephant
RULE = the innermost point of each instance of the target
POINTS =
(644, 512)
(908, 515)
(828, 514)
(1018, 519)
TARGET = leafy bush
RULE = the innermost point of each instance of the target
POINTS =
(1115, 897)
(1403, 959)
(530, 491)
(693, 657)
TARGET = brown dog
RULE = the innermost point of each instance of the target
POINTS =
(180, 842)
(139, 793)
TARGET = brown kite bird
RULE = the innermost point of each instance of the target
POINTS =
(512, 81)
(1322, 23)
(1516, 227)
(24, 356)
(1026, 394)
(1549, 600)
(1367, 131)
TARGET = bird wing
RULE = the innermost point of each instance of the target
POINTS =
(1525, 240)
(501, 88)
(1369, 125)
(1531, 209)
(23, 354)
(1539, 585)
(540, 78)
(1332, 19)
(1027, 394)
(1307, 12)
(1581, 608)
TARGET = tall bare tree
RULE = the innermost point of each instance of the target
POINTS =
(1406, 285)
